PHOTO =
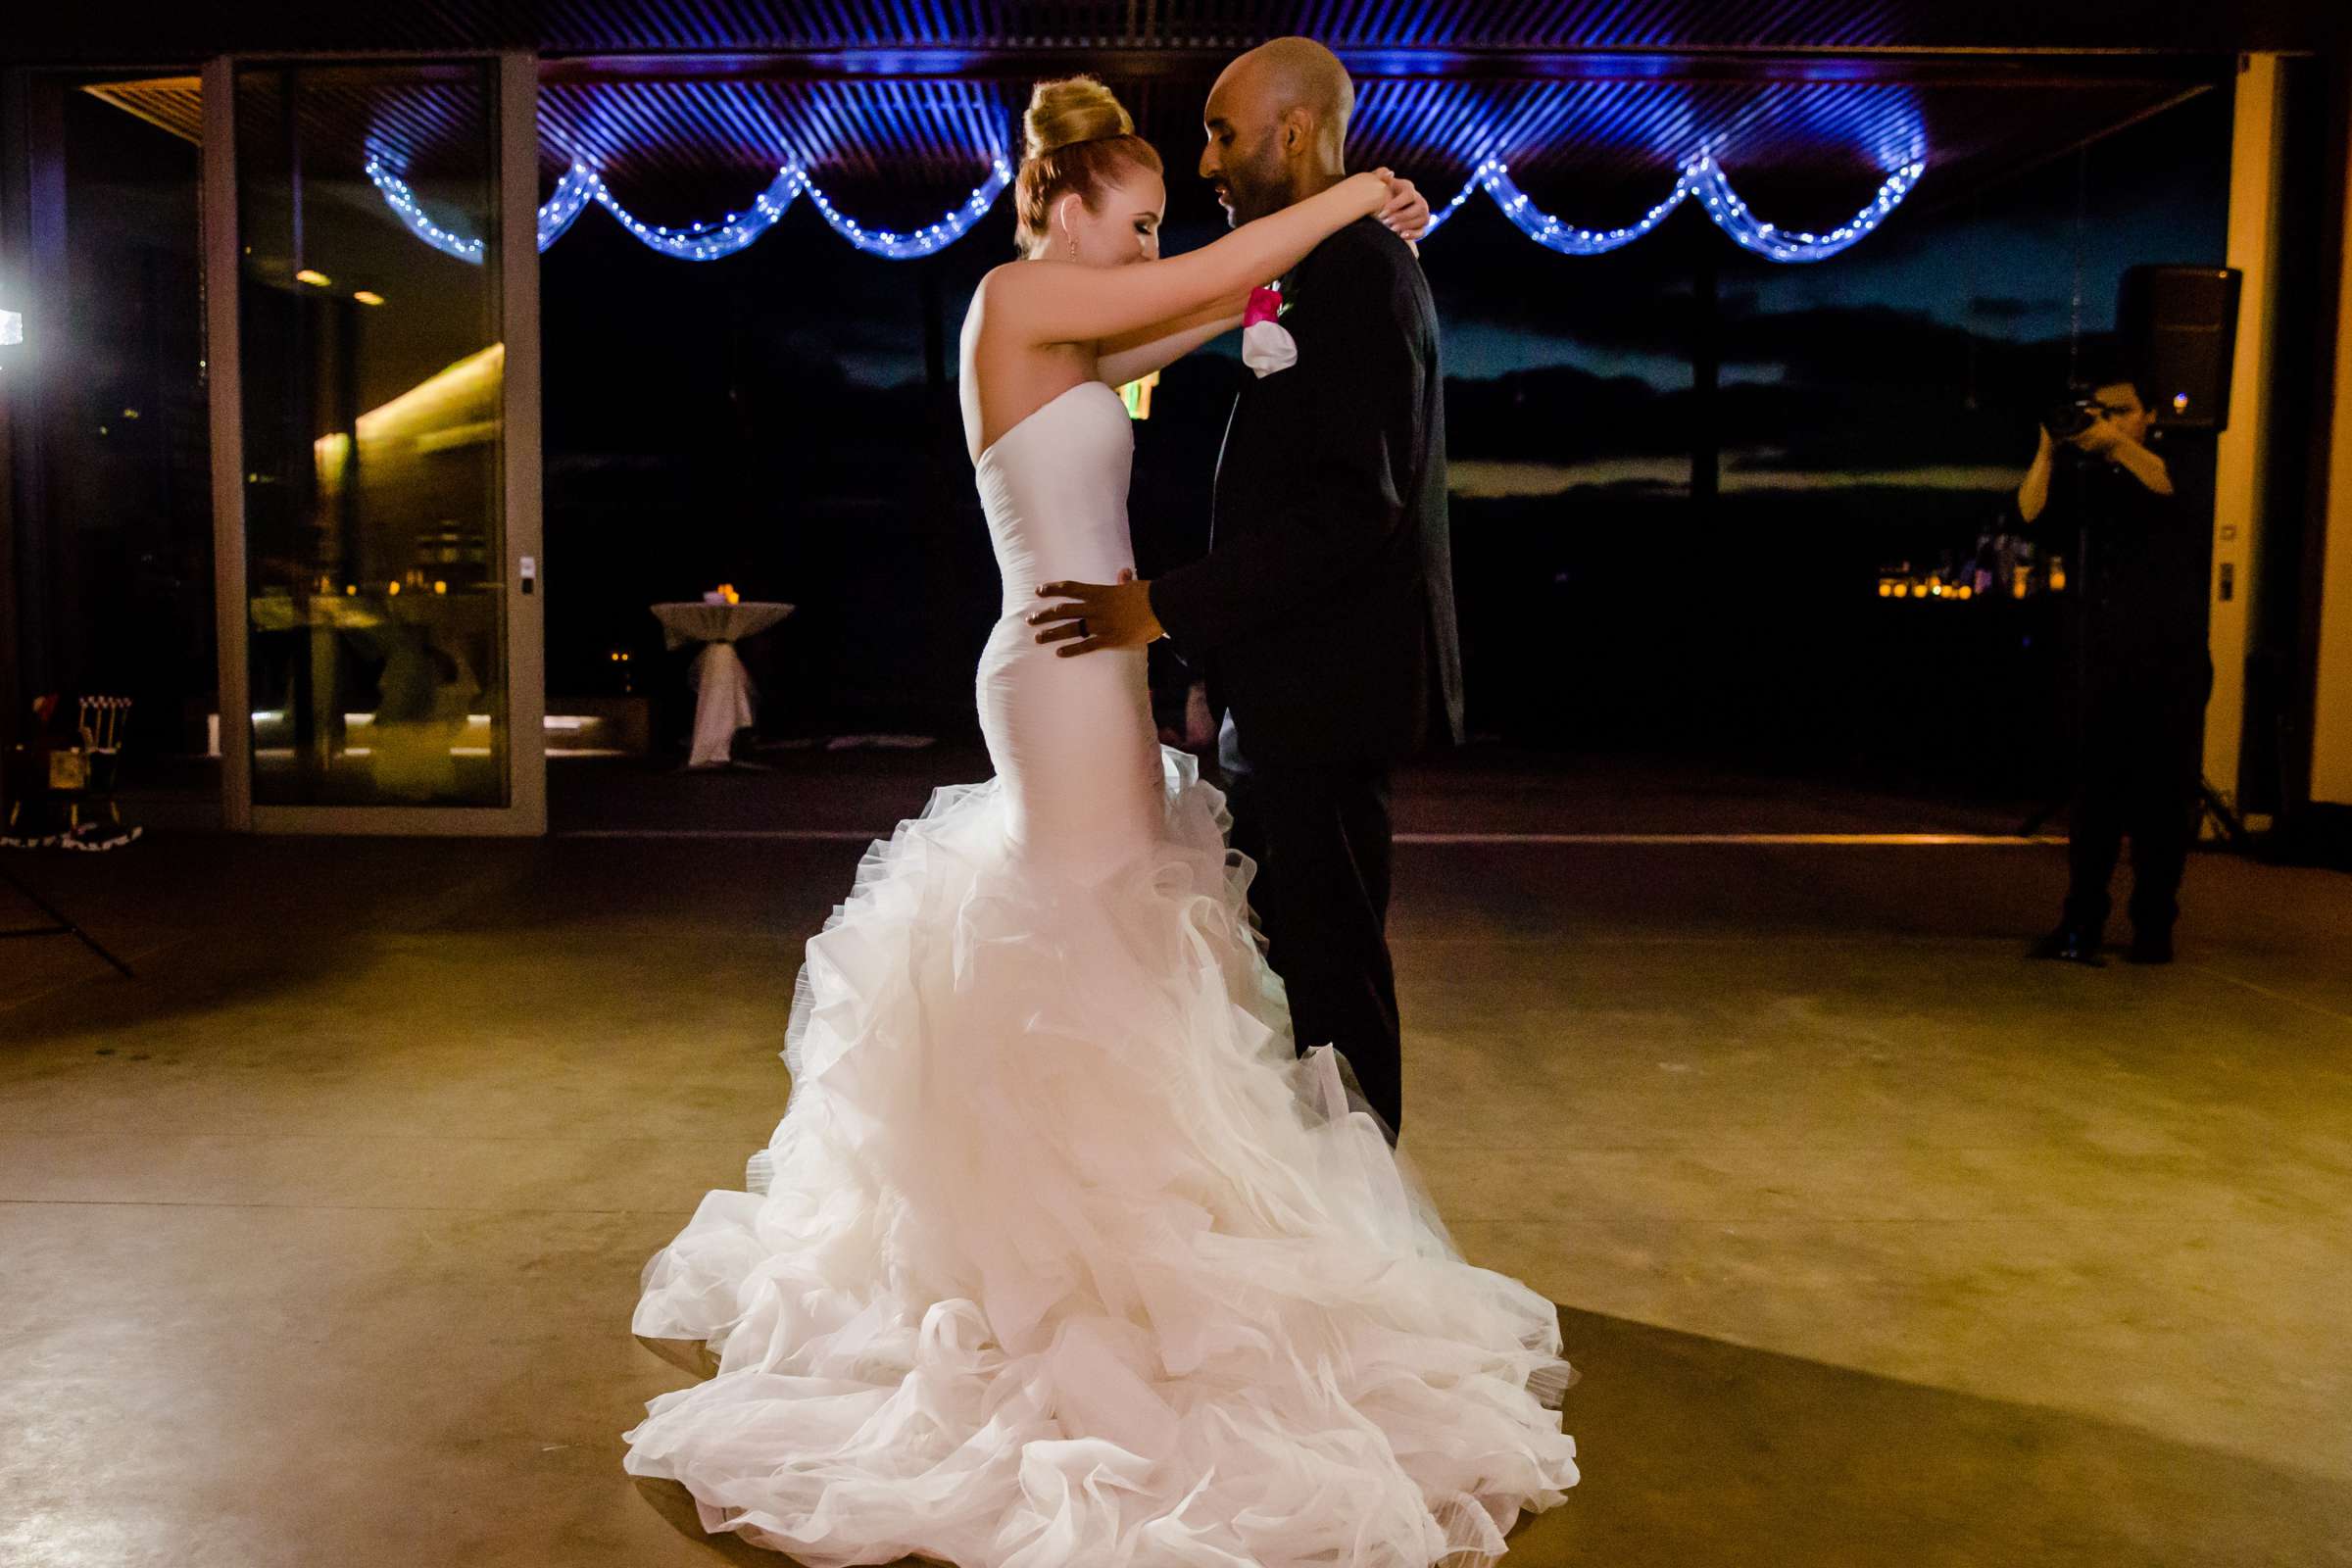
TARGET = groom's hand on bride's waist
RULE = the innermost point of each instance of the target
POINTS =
(1092, 616)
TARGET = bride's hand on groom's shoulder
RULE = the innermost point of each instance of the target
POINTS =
(1375, 188)
(1407, 211)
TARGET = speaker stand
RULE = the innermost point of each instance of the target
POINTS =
(2211, 803)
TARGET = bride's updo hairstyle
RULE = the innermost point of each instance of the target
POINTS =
(1078, 138)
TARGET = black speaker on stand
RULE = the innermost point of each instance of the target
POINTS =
(2179, 326)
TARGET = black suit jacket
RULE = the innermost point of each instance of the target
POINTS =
(1323, 613)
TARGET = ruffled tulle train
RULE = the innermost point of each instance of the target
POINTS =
(1060, 1258)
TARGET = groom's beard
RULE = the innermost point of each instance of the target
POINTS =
(1257, 189)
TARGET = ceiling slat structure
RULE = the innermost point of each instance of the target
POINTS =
(981, 26)
(688, 107)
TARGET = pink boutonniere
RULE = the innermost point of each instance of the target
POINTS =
(1266, 344)
(1265, 305)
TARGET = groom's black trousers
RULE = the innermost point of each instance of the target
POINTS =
(1320, 836)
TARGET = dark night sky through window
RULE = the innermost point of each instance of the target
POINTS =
(2001, 265)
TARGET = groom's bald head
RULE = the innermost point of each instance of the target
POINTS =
(1277, 123)
(1296, 74)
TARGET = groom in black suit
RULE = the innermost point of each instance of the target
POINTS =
(1323, 615)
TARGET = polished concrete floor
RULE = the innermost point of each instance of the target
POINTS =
(1876, 1245)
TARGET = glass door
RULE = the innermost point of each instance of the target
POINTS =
(376, 444)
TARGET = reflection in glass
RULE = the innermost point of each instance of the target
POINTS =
(103, 299)
(373, 370)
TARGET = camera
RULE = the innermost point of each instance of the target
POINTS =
(2079, 413)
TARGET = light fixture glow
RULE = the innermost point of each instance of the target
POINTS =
(316, 279)
(368, 296)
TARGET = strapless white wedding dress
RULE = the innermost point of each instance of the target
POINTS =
(1060, 1257)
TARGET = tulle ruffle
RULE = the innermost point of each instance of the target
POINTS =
(1060, 1258)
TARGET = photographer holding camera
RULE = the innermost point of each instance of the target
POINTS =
(2137, 515)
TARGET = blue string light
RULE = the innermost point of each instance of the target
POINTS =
(402, 202)
(705, 242)
(1541, 227)
(696, 242)
(922, 241)
(573, 194)
(1706, 180)
(1703, 179)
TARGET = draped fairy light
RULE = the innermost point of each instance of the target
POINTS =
(573, 194)
(1703, 179)
(405, 205)
(922, 241)
(696, 242)
(703, 241)
(1706, 180)
(1541, 227)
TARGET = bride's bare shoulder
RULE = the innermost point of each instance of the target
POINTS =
(1007, 300)
(1005, 280)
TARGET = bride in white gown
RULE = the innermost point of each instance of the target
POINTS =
(1061, 1256)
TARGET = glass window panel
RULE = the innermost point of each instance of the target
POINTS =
(372, 371)
(105, 362)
